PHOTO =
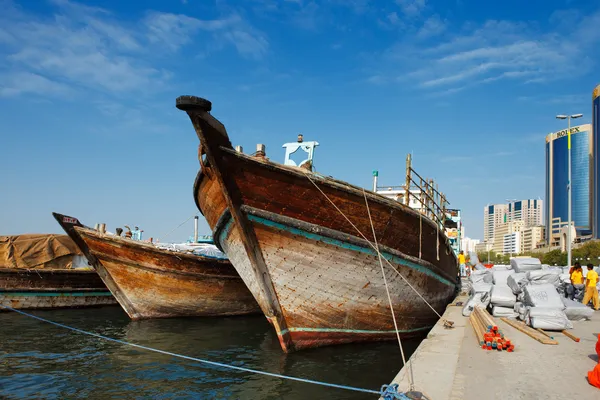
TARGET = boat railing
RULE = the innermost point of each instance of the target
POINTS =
(431, 202)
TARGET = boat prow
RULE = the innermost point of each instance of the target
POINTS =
(149, 282)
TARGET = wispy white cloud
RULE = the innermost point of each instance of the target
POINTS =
(492, 51)
(82, 46)
(432, 26)
(411, 8)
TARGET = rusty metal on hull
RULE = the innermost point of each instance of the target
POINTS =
(303, 261)
(159, 283)
(52, 288)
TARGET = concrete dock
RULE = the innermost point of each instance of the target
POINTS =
(449, 364)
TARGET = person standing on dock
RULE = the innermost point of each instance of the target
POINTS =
(462, 263)
(576, 281)
(591, 292)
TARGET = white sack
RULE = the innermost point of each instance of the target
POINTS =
(500, 276)
(481, 287)
(481, 276)
(539, 277)
(523, 264)
(516, 281)
(544, 295)
(575, 311)
(476, 299)
(500, 267)
(80, 262)
(565, 278)
(498, 311)
(522, 310)
(503, 296)
(551, 319)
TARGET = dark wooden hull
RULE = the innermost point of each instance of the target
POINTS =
(316, 279)
(49, 289)
(154, 283)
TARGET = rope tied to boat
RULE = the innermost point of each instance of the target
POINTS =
(178, 226)
(372, 245)
(387, 289)
(200, 360)
(390, 392)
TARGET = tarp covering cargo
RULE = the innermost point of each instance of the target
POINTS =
(539, 277)
(498, 311)
(516, 282)
(550, 319)
(542, 296)
(576, 311)
(523, 264)
(501, 276)
(484, 275)
(503, 296)
(37, 251)
(477, 299)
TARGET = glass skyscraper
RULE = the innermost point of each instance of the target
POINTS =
(596, 160)
(583, 182)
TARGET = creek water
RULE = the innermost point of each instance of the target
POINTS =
(42, 361)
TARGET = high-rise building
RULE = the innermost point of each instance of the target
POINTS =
(493, 214)
(596, 161)
(582, 181)
(531, 212)
(532, 238)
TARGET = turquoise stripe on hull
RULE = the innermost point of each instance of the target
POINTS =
(343, 245)
(333, 330)
(44, 294)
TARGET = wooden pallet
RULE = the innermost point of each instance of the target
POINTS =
(529, 331)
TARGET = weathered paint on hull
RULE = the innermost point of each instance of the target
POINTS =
(50, 289)
(54, 300)
(234, 187)
(154, 283)
(332, 292)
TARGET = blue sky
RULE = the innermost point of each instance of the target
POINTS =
(87, 91)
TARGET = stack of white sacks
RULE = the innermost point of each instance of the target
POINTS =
(525, 290)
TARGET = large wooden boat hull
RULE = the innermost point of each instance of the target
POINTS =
(50, 289)
(153, 283)
(315, 275)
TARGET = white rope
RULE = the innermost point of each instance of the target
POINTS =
(420, 232)
(388, 292)
(179, 226)
(437, 241)
(371, 244)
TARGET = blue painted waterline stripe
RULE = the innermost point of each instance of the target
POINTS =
(349, 246)
(213, 363)
(334, 330)
(44, 294)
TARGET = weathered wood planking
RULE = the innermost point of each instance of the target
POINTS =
(49, 288)
(312, 274)
(159, 283)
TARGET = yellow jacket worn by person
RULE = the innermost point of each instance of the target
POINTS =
(577, 278)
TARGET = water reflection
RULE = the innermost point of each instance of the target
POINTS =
(38, 360)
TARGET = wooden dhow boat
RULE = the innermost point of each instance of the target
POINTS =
(304, 245)
(149, 282)
(47, 271)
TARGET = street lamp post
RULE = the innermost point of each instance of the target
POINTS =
(569, 191)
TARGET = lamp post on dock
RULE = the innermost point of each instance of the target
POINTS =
(569, 191)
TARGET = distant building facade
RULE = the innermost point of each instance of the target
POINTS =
(583, 178)
(596, 162)
(493, 214)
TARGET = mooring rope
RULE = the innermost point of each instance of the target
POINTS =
(178, 226)
(387, 289)
(371, 244)
(420, 232)
(213, 363)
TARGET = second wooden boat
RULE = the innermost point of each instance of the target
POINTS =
(47, 271)
(304, 245)
(149, 282)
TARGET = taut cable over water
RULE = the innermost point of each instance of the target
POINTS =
(203, 361)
